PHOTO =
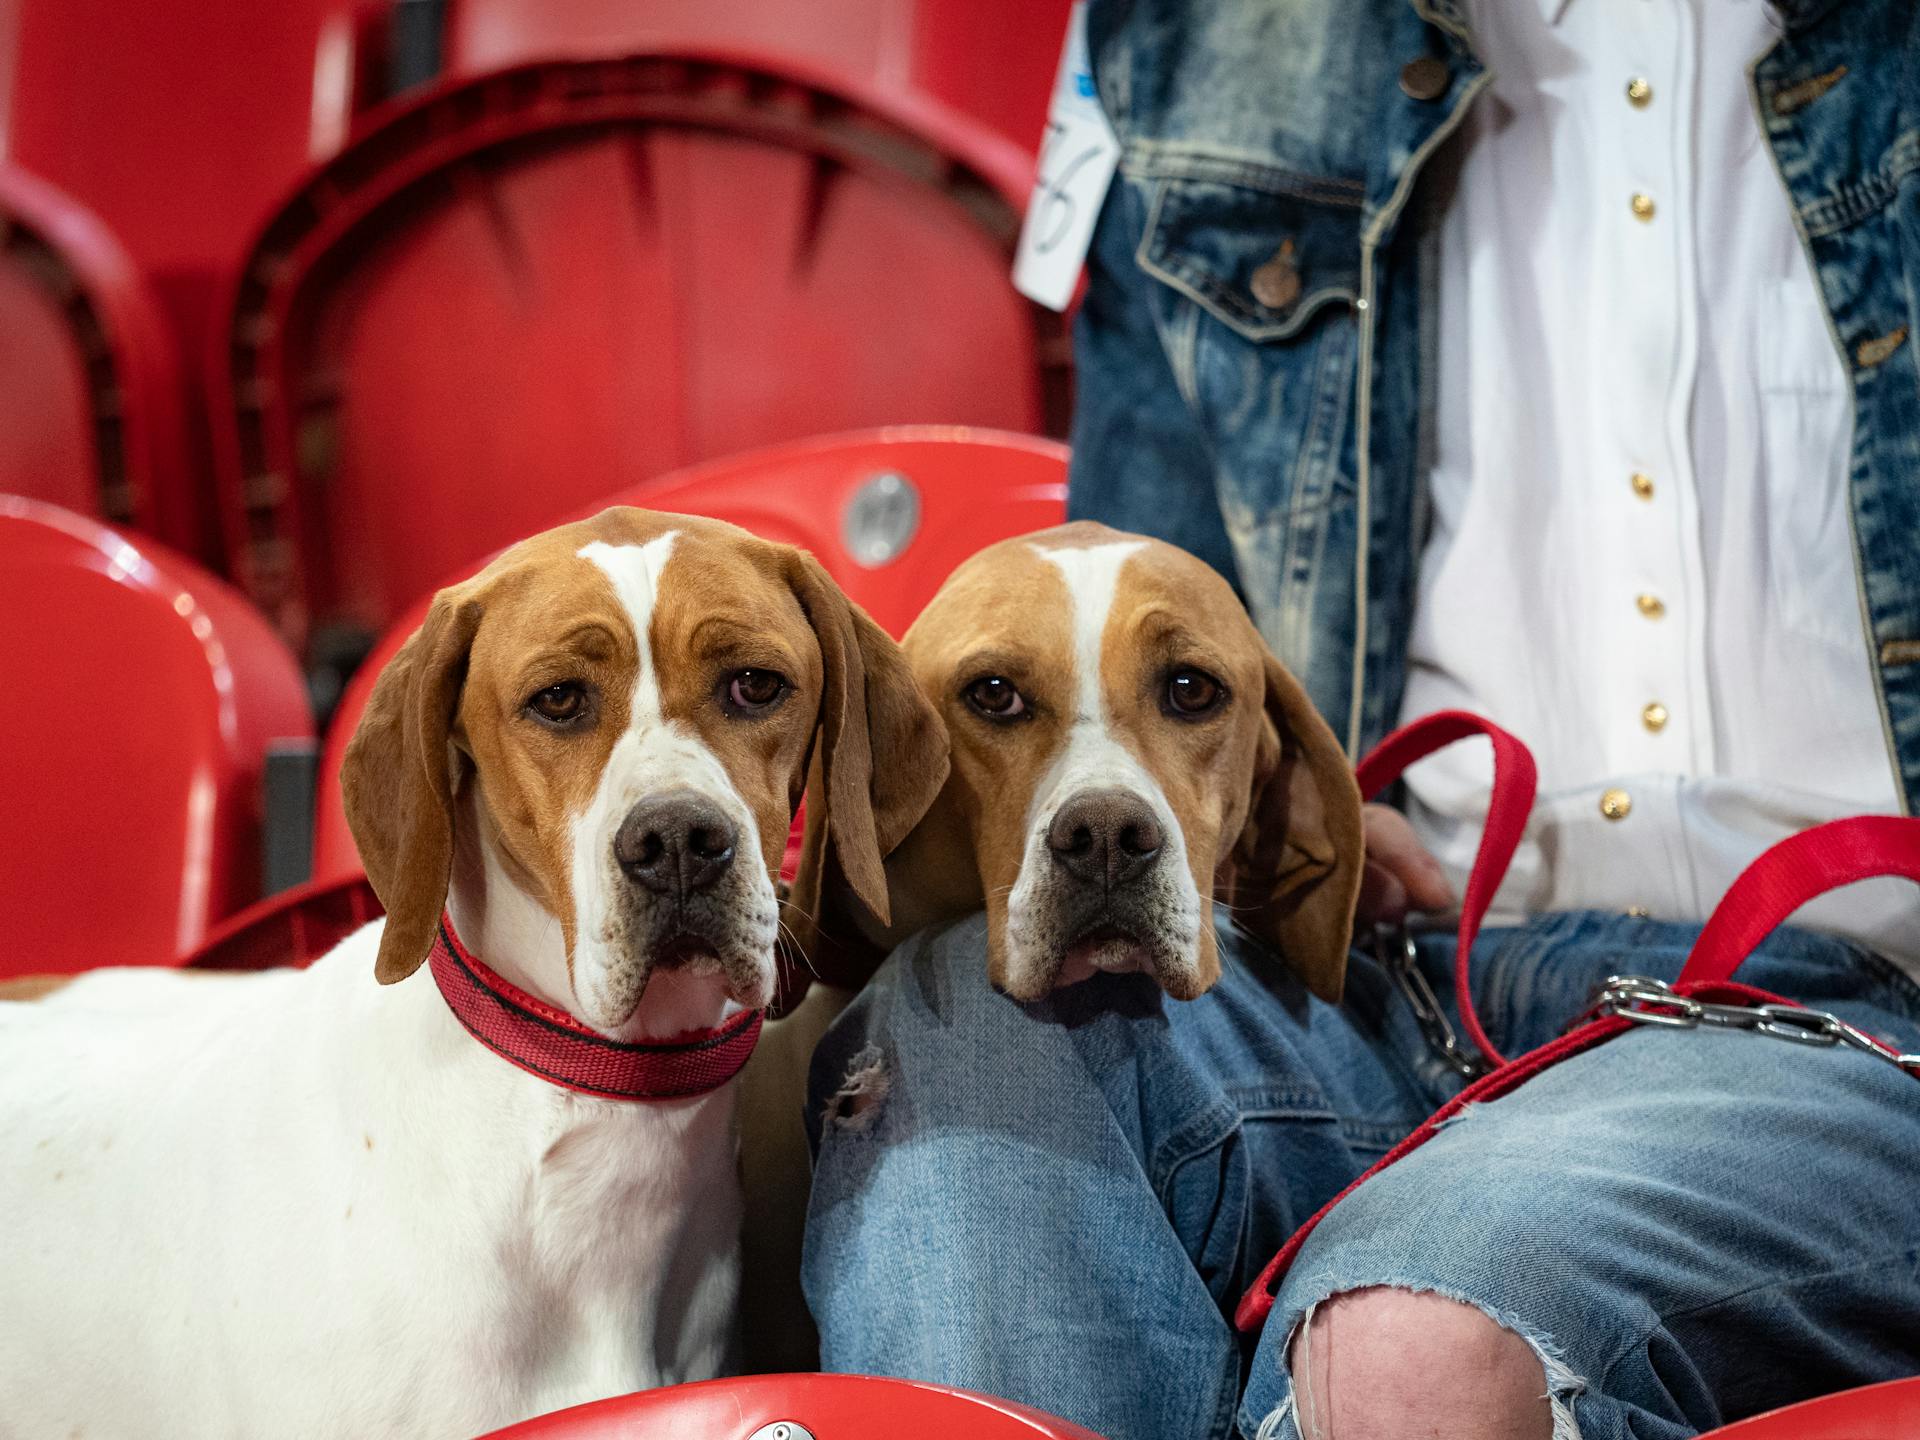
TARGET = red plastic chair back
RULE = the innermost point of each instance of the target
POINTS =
(178, 125)
(92, 412)
(889, 513)
(295, 927)
(140, 701)
(828, 1407)
(991, 59)
(517, 293)
(1890, 1411)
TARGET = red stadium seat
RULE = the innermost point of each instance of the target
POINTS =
(141, 696)
(516, 293)
(800, 1407)
(179, 125)
(295, 927)
(92, 413)
(991, 59)
(888, 512)
(1873, 1412)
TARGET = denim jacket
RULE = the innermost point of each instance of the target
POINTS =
(1254, 351)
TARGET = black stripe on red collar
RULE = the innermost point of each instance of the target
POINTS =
(546, 1041)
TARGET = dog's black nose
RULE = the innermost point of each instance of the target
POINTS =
(1105, 837)
(675, 843)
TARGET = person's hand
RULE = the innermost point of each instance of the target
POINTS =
(1400, 876)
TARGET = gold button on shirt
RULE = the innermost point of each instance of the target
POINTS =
(1616, 804)
(1654, 717)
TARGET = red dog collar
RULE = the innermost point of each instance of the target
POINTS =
(550, 1043)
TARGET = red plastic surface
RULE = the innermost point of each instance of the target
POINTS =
(831, 1407)
(974, 488)
(515, 294)
(92, 411)
(993, 59)
(140, 697)
(1890, 1411)
(295, 927)
(179, 124)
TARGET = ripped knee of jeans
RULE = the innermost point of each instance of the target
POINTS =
(1382, 1353)
(855, 1105)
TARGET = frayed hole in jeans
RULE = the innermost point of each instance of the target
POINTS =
(855, 1104)
(1562, 1383)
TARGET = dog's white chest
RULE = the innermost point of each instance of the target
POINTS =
(337, 1231)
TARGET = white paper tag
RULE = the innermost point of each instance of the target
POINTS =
(1077, 161)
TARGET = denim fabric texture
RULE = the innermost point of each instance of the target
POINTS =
(1060, 1202)
(1253, 352)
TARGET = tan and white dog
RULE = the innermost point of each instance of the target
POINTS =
(302, 1204)
(1125, 748)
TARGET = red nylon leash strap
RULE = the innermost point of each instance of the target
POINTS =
(546, 1041)
(1790, 874)
(1783, 879)
(1514, 781)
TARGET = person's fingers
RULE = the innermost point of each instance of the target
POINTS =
(1383, 899)
(1392, 845)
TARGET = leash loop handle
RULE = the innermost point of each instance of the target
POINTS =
(1788, 875)
(1515, 779)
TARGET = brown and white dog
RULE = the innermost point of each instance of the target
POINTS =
(300, 1204)
(1125, 748)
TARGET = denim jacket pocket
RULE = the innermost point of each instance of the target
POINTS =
(1262, 253)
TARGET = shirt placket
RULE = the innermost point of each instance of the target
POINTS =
(1656, 718)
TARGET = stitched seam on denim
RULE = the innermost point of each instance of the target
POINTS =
(1161, 160)
(1223, 303)
(1304, 1099)
(1200, 1133)
(1910, 1256)
(1867, 196)
(1319, 453)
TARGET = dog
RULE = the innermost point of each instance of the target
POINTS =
(502, 1180)
(1125, 748)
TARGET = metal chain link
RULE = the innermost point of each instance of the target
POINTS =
(1393, 947)
(1646, 1001)
(1638, 998)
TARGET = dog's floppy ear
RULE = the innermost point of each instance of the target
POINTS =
(398, 782)
(879, 759)
(1294, 876)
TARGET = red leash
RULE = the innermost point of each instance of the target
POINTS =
(1766, 893)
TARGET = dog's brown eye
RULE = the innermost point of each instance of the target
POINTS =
(756, 689)
(995, 697)
(1192, 692)
(560, 703)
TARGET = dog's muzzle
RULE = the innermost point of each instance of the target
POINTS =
(688, 905)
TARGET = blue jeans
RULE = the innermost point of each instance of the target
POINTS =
(1061, 1202)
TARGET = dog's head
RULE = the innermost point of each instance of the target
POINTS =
(624, 711)
(1124, 748)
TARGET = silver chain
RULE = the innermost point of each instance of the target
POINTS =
(1638, 998)
(1646, 1001)
(1393, 947)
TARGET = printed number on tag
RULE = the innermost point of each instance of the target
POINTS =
(1078, 156)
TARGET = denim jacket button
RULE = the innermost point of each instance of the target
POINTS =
(1276, 284)
(1425, 78)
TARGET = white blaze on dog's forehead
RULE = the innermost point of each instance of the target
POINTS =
(1093, 757)
(635, 573)
(654, 754)
(1093, 579)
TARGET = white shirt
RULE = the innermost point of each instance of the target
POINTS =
(1640, 494)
